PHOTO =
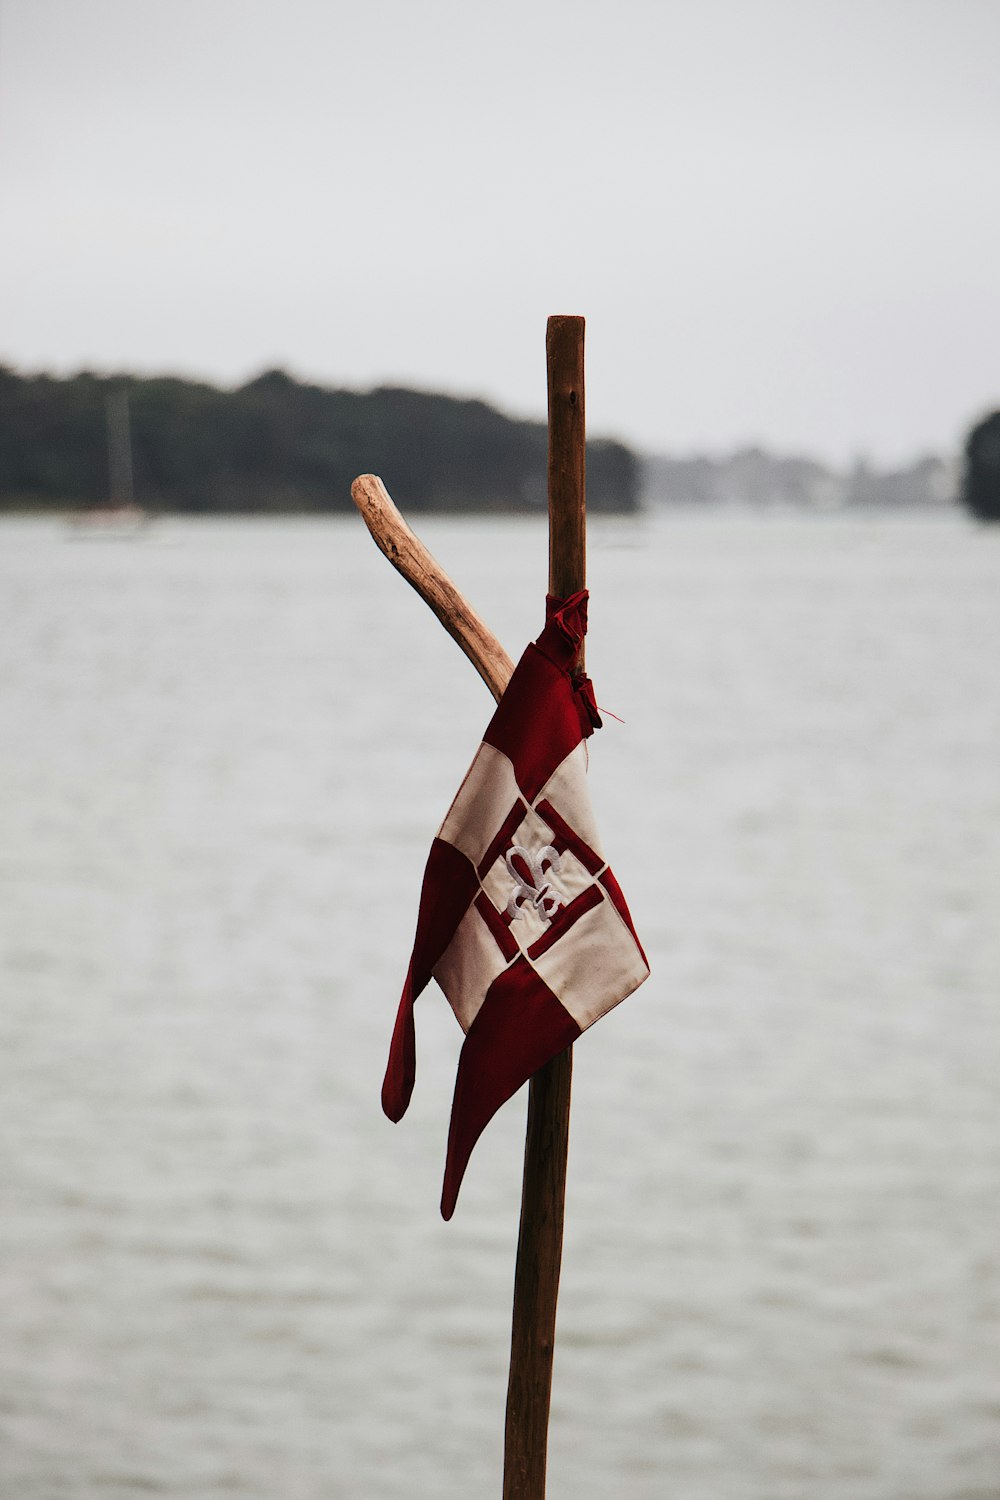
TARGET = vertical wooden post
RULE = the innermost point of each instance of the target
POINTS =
(539, 1246)
(567, 458)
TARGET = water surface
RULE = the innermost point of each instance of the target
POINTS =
(224, 750)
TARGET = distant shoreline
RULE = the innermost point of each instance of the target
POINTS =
(279, 446)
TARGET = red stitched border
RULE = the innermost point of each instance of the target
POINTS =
(614, 890)
(570, 839)
(499, 929)
(503, 838)
(565, 918)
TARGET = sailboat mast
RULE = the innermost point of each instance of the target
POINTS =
(119, 448)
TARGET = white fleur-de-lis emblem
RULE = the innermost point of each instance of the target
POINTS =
(532, 886)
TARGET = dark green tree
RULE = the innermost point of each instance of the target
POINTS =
(981, 480)
(279, 444)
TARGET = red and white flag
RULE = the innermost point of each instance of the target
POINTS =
(521, 921)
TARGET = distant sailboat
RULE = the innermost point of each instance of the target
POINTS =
(121, 516)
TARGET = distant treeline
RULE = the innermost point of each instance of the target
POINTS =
(753, 477)
(279, 444)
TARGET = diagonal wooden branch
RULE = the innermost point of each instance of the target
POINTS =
(410, 557)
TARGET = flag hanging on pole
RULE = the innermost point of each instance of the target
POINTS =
(521, 921)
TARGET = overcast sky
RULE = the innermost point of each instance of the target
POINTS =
(781, 218)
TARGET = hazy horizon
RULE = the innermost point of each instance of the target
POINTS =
(777, 221)
(721, 454)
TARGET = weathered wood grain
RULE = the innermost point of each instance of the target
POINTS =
(424, 573)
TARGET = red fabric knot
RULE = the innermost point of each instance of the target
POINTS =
(565, 628)
(586, 703)
(569, 616)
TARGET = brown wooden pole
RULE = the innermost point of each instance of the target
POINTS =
(567, 458)
(539, 1246)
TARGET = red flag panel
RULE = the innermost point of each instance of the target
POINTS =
(521, 921)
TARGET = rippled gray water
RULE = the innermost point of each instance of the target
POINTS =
(224, 749)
